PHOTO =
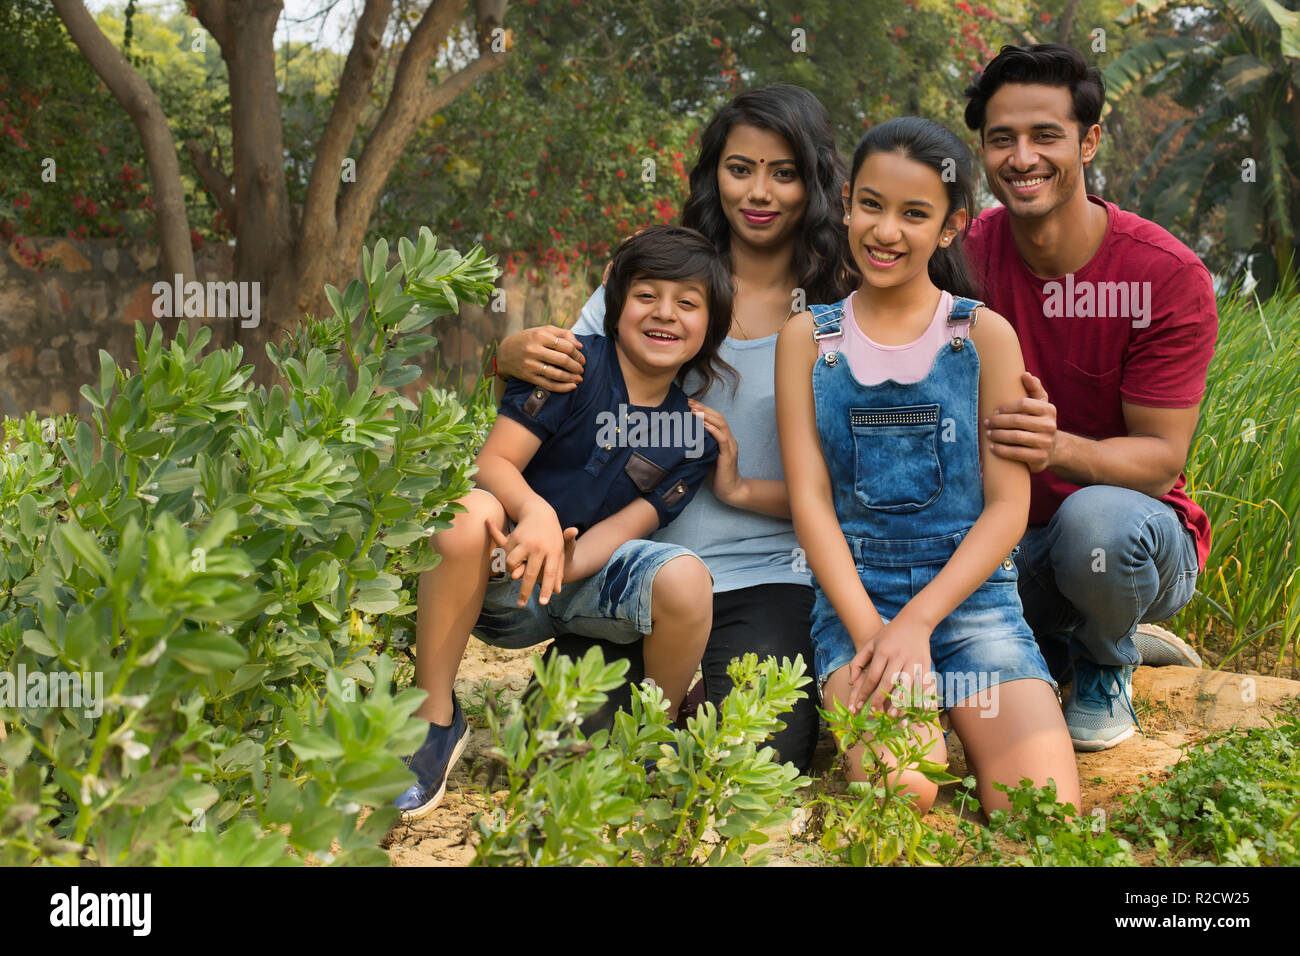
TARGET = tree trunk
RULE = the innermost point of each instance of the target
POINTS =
(131, 90)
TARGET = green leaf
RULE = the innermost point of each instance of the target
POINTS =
(206, 652)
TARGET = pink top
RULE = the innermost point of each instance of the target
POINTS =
(873, 363)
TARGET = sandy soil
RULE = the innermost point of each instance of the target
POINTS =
(1176, 705)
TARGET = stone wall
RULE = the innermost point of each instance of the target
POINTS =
(54, 321)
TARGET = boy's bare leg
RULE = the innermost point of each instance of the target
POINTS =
(450, 600)
(681, 607)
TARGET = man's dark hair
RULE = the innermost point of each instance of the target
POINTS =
(1048, 64)
(676, 254)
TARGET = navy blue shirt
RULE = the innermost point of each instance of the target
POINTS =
(600, 453)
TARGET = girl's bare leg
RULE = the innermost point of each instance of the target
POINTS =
(1016, 730)
(923, 790)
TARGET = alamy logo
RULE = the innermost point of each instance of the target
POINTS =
(212, 300)
(1100, 300)
(103, 909)
(638, 429)
(55, 689)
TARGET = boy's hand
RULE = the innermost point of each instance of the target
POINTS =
(897, 654)
(535, 551)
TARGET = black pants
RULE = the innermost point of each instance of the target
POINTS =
(770, 620)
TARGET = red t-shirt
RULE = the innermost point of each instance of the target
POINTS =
(1136, 324)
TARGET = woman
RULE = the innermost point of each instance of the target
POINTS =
(765, 189)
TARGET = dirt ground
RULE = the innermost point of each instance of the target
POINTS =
(1176, 705)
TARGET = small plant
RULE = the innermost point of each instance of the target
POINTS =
(645, 792)
(1235, 799)
(875, 823)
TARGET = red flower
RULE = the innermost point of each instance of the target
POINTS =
(532, 194)
(620, 174)
(1045, 17)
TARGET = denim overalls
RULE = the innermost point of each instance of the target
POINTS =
(904, 466)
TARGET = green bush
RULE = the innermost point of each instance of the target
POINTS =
(215, 554)
(627, 796)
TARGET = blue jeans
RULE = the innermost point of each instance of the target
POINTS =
(1109, 560)
(613, 604)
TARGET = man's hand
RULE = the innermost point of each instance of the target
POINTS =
(1025, 430)
(547, 356)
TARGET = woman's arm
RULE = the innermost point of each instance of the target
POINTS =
(809, 483)
(1006, 505)
(549, 356)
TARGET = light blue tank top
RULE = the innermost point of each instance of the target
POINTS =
(740, 548)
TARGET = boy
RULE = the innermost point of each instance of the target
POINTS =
(568, 485)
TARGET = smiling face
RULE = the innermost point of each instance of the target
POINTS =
(663, 322)
(1033, 156)
(762, 195)
(898, 216)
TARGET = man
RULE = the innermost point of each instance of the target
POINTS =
(1117, 321)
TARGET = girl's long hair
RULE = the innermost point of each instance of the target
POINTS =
(821, 244)
(939, 148)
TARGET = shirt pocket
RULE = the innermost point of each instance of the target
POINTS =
(896, 457)
(1092, 407)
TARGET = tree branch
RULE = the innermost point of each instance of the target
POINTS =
(215, 16)
(217, 183)
(411, 103)
(323, 189)
(134, 93)
(1067, 22)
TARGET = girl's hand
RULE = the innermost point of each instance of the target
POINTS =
(546, 356)
(535, 551)
(728, 486)
(897, 654)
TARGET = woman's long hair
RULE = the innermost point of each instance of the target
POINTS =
(821, 244)
(933, 144)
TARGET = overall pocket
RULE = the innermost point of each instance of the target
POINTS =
(896, 457)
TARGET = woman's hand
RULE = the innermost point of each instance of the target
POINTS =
(547, 356)
(536, 551)
(897, 654)
(728, 486)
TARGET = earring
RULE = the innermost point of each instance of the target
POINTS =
(846, 218)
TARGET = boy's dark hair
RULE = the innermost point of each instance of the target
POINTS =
(938, 147)
(798, 117)
(677, 254)
(1049, 64)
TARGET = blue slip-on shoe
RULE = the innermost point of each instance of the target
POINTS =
(441, 749)
(1100, 713)
(1159, 648)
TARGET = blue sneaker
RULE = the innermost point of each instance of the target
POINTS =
(441, 749)
(1100, 713)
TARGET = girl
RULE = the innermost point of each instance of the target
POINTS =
(765, 190)
(907, 520)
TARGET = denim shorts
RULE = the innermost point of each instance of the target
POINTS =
(983, 642)
(612, 605)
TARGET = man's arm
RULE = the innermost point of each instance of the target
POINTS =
(1148, 459)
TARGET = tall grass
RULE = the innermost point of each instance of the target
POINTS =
(1244, 470)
